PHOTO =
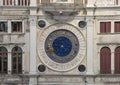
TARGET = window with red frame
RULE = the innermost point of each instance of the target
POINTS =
(117, 27)
(105, 27)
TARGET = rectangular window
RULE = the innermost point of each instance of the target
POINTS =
(3, 26)
(117, 27)
(105, 27)
(0, 63)
(16, 26)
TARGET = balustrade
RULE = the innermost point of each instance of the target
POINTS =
(14, 2)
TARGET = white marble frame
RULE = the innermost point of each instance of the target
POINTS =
(23, 25)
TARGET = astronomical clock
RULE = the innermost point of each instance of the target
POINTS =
(61, 47)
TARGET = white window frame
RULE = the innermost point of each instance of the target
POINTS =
(17, 21)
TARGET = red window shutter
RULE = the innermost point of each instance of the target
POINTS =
(117, 60)
(102, 63)
(4, 2)
(117, 26)
(116, 2)
(105, 60)
(102, 27)
(108, 27)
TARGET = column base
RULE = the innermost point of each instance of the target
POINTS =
(33, 81)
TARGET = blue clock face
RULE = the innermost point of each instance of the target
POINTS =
(61, 46)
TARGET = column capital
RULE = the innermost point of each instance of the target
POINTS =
(90, 3)
(33, 3)
(32, 20)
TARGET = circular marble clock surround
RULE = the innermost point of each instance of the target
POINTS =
(72, 36)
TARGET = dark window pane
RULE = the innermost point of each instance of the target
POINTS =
(0, 26)
(6, 27)
(3, 26)
(5, 67)
(25, 2)
(17, 60)
(3, 60)
(14, 65)
(20, 63)
(0, 64)
(16, 26)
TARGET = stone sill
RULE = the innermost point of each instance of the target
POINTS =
(116, 33)
(14, 33)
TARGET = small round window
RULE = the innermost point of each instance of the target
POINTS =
(41, 23)
(82, 24)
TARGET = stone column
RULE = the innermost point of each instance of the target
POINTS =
(9, 27)
(16, 2)
(23, 26)
(33, 45)
(27, 45)
(112, 59)
(112, 26)
(90, 27)
(33, 24)
(33, 19)
(118, 2)
(1, 2)
(9, 61)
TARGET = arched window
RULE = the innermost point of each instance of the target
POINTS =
(105, 60)
(16, 60)
(3, 60)
(117, 60)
